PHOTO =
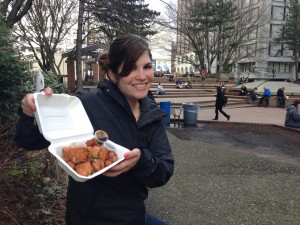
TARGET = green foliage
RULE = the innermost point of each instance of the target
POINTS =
(217, 17)
(122, 17)
(290, 32)
(52, 80)
(15, 79)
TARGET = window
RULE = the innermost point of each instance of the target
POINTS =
(278, 12)
(275, 30)
(279, 67)
(252, 2)
(253, 34)
(248, 67)
(253, 14)
(275, 49)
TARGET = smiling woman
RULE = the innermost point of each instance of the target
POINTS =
(124, 107)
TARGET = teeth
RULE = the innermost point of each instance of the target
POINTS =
(140, 85)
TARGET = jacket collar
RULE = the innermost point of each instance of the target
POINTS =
(149, 109)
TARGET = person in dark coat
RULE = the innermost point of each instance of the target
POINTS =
(292, 117)
(253, 94)
(243, 91)
(220, 103)
(124, 109)
(281, 97)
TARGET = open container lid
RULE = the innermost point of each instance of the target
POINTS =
(61, 117)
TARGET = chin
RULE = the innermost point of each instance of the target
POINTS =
(141, 95)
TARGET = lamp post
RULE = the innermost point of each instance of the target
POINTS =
(273, 72)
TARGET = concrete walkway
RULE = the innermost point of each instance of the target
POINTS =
(258, 115)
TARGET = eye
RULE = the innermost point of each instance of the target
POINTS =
(148, 66)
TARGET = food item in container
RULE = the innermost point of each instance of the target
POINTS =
(84, 169)
(75, 154)
(89, 159)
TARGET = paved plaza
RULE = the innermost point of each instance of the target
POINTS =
(258, 115)
(242, 172)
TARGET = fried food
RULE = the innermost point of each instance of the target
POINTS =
(84, 169)
(90, 159)
(75, 154)
(92, 142)
(98, 164)
(112, 156)
(71, 164)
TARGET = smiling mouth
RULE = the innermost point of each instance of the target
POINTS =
(140, 86)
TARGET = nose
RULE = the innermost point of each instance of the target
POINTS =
(141, 73)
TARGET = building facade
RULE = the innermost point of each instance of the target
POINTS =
(261, 57)
(273, 60)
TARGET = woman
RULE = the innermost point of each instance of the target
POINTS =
(122, 108)
(220, 102)
(292, 118)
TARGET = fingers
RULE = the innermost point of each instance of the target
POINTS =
(28, 104)
(48, 91)
(131, 159)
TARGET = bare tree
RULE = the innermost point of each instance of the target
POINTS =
(79, 84)
(46, 25)
(14, 10)
(205, 29)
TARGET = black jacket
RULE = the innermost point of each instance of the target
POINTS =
(119, 200)
(280, 93)
(220, 102)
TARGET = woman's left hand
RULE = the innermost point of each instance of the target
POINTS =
(131, 159)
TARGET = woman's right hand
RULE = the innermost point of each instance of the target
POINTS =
(28, 104)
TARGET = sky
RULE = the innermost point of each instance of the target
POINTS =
(162, 56)
(157, 5)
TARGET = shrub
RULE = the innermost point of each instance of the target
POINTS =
(15, 79)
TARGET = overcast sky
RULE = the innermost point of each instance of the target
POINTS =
(158, 5)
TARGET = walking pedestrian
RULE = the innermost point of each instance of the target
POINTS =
(220, 103)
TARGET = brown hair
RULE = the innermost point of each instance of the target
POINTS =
(102, 61)
(124, 50)
(296, 102)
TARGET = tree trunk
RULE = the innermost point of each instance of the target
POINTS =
(296, 66)
(79, 83)
(220, 52)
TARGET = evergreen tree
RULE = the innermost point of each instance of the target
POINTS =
(210, 29)
(121, 17)
(290, 32)
(15, 80)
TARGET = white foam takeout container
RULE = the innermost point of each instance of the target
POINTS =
(63, 121)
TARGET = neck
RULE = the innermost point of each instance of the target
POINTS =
(135, 108)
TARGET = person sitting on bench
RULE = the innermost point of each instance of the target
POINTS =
(253, 94)
(160, 89)
(265, 96)
(281, 97)
(243, 91)
(178, 84)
